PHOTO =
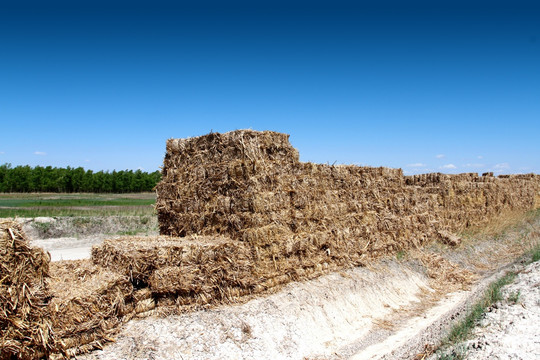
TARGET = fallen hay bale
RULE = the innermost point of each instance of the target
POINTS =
(25, 330)
(446, 276)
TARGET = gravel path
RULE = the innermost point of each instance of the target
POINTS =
(511, 328)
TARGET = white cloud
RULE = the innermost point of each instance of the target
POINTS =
(2, 153)
(501, 166)
(440, 156)
(86, 160)
(475, 165)
(416, 165)
(480, 157)
(448, 166)
(40, 153)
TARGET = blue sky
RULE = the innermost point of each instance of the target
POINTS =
(428, 86)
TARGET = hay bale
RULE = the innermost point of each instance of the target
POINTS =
(205, 283)
(86, 298)
(25, 331)
(139, 257)
(221, 174)
(88, 302)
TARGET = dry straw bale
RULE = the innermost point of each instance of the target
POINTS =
(56, 309)
(221, 175)
(87, 303)
(25, 330)
(204, 283)
(139, 257)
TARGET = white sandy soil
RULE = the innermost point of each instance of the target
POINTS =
(510, 330)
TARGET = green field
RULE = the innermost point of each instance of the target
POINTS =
(53, 204)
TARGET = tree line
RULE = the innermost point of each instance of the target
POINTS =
(53, 179)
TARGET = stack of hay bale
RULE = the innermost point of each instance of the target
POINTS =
(251, 186)
(467, 200)
(302, 218)
(212, 183)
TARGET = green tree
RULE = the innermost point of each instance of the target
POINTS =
(53, 179)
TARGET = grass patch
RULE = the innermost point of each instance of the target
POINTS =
(43, 227)
(458, 354)
(400, 255)
(51, 205)
(536, 254)
(500, 226)
(514, 297)
(462, 330)
(70, 212)
(26, 203)
(129, 232)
